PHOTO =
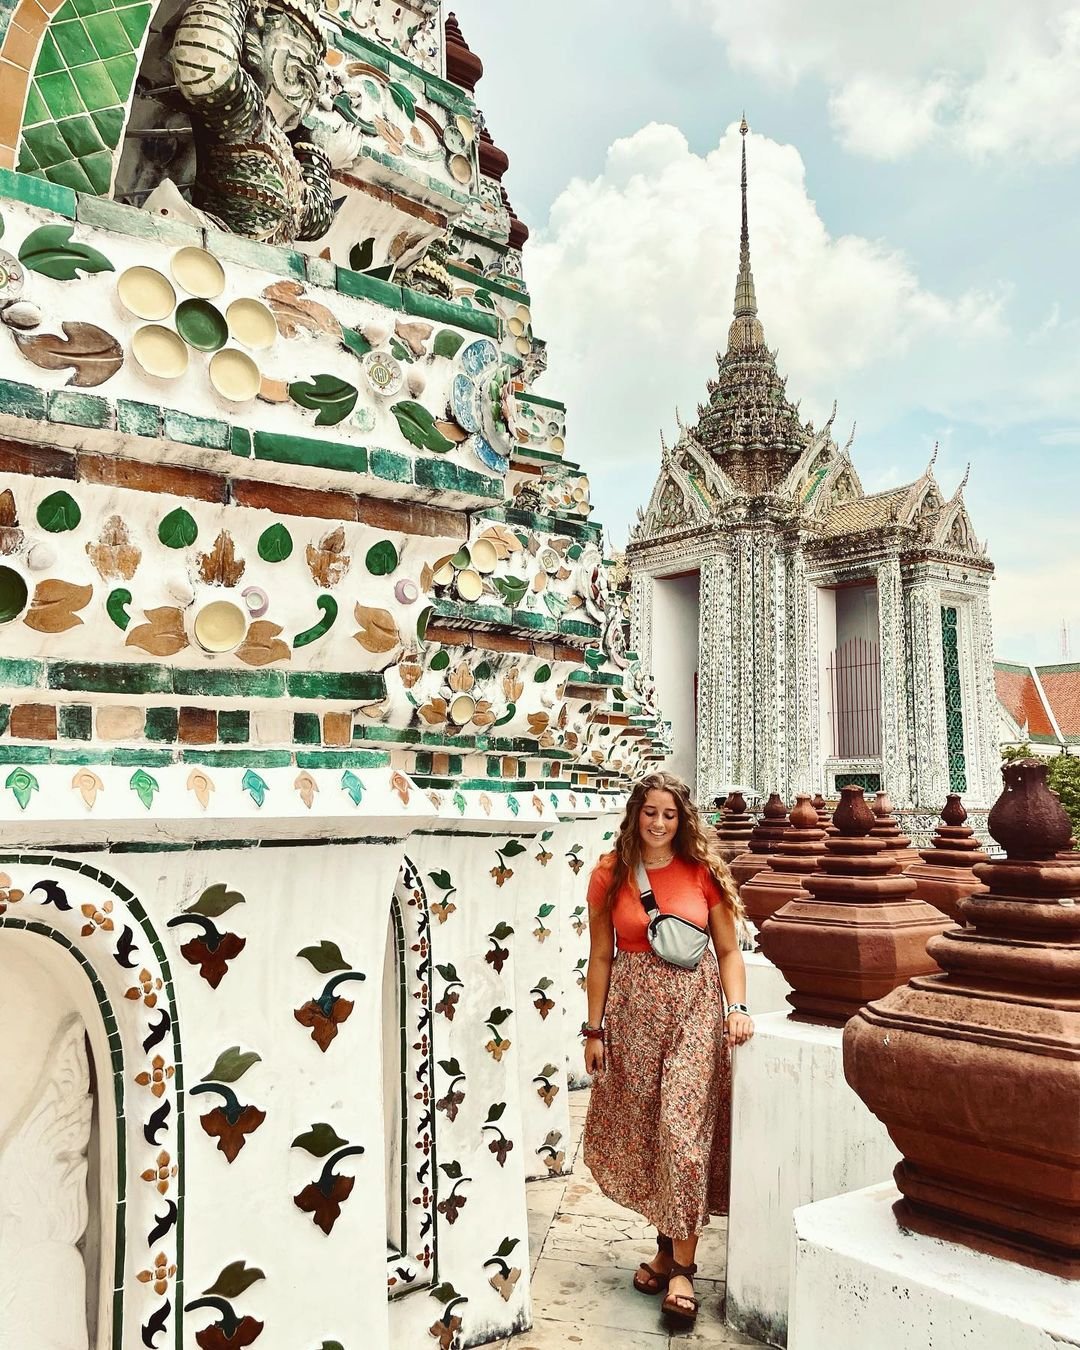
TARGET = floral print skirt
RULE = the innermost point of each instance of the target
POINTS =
(657, 1130)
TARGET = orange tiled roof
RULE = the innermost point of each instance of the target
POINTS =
(1061, 684)
(1017, 691)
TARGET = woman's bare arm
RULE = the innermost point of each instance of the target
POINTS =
(732, 970)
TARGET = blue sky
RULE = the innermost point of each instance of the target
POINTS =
(914, 211)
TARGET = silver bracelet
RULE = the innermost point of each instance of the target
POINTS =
(737, 1007)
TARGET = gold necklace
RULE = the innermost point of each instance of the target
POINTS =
(660, 862)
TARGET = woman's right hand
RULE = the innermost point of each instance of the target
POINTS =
(594, 1055)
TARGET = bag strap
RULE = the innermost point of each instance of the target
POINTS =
(648, 900)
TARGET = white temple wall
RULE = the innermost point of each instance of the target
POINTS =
(675, 623)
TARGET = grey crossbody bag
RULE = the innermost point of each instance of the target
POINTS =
(676, 941)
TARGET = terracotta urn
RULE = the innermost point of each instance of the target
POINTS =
(976, 1070)
(824, 815)
(886, 827)
(734, 828)
(766, 833)
(792, 860)
(855, 932)
(945, 875)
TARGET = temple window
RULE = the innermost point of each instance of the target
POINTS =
(954, 703)
(675, 656)
(849, 625)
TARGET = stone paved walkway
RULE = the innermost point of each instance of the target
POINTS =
(584, 1250)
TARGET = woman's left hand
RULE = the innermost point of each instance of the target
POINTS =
(740, 1028)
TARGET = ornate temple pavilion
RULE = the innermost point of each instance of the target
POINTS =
(803, 633)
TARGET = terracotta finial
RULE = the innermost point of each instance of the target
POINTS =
(770, 829)
(882, 804)
(736, 804)
(775, 808)
(463, 67)
(953, 812)
(853, 817)
(1028, 820)
(735, 827)
(803, 816)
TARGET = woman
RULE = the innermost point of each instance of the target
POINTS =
(656, 1135)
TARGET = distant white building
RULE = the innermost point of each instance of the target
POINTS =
(803, 634)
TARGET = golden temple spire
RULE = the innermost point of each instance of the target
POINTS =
(746, 331)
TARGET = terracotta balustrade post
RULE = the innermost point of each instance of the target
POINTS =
(946, 873)
(886, 827)
(976, 1071)
(855, 932)
(734, 828)
(766, 833)
(794, 857)
(824, 815)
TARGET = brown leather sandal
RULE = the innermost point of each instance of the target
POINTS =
(647, 1280)
(671, 1305)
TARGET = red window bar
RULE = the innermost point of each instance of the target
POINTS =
(855, 680)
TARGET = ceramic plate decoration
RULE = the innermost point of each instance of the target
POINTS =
(162, 353)
(516, 326)
(462, 709)
(256, 600)
(454, 141)
(523, 346)
(146, 293)
(364, 418)
(201, 325)
(558, 445)
(466, 127)
(384, 373)
(479, 356)
(470, 586)
(11, 277)
(461, 168)
(443, 572)
(252, 324)
(234, 375)
(467, 403)
(198, 272)
(406, 592)
(220, 626)
(488, 455)
(485, 558)
(13, 594)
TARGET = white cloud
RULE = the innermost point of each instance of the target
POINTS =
(991, 78)
(633, 282)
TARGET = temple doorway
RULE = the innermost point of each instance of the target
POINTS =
(57, 1155)
(393, 1066)
(675, 660)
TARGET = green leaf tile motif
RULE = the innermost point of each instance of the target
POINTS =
(447, 343)
(215, 901)
(22, 784)
(326, 957)
(254, 786)
(144, 785)
(275, 544)
(320, 1140)
(234, 1280)
(50, 250)
(116, 607)
(332, 398)
(353, 786)
(418, 427)
(329, 607)
(58, 513)
(231, 1065)
(178, 529)
(382, 558)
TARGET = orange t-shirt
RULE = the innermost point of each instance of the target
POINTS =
(683, 888)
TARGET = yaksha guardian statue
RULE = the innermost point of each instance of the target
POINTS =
(254, 79)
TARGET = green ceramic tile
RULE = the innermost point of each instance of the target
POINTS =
(48, 146)
(234, 727)
(364, 686)
(35, 110)
(137, 419)
(71, 175)
(84, 7)
(110, 123)
(108, 34)
(27, 161)
(80, 134)
(240, 442)
(443, 311)
(369, 288)
(162, 724)
(98, 168)
(80, 410)
(19, 674)
(109, 678)
(66, 11)
(226, 683)
(21, 400)
(48, 58)
(206, 432)
(134, 18)
(37, 192)
(319, 454)
(75, 721)
(306, 729)
(73, 43)
(60, 93)
(121, 71)
(96, 88)
(393, 467)
(5, 716)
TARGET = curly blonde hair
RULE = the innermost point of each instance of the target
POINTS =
(693, 843)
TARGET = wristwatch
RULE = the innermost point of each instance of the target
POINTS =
(737, 1007)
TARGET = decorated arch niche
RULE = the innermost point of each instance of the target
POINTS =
(409, 1089)
(92, 1128)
